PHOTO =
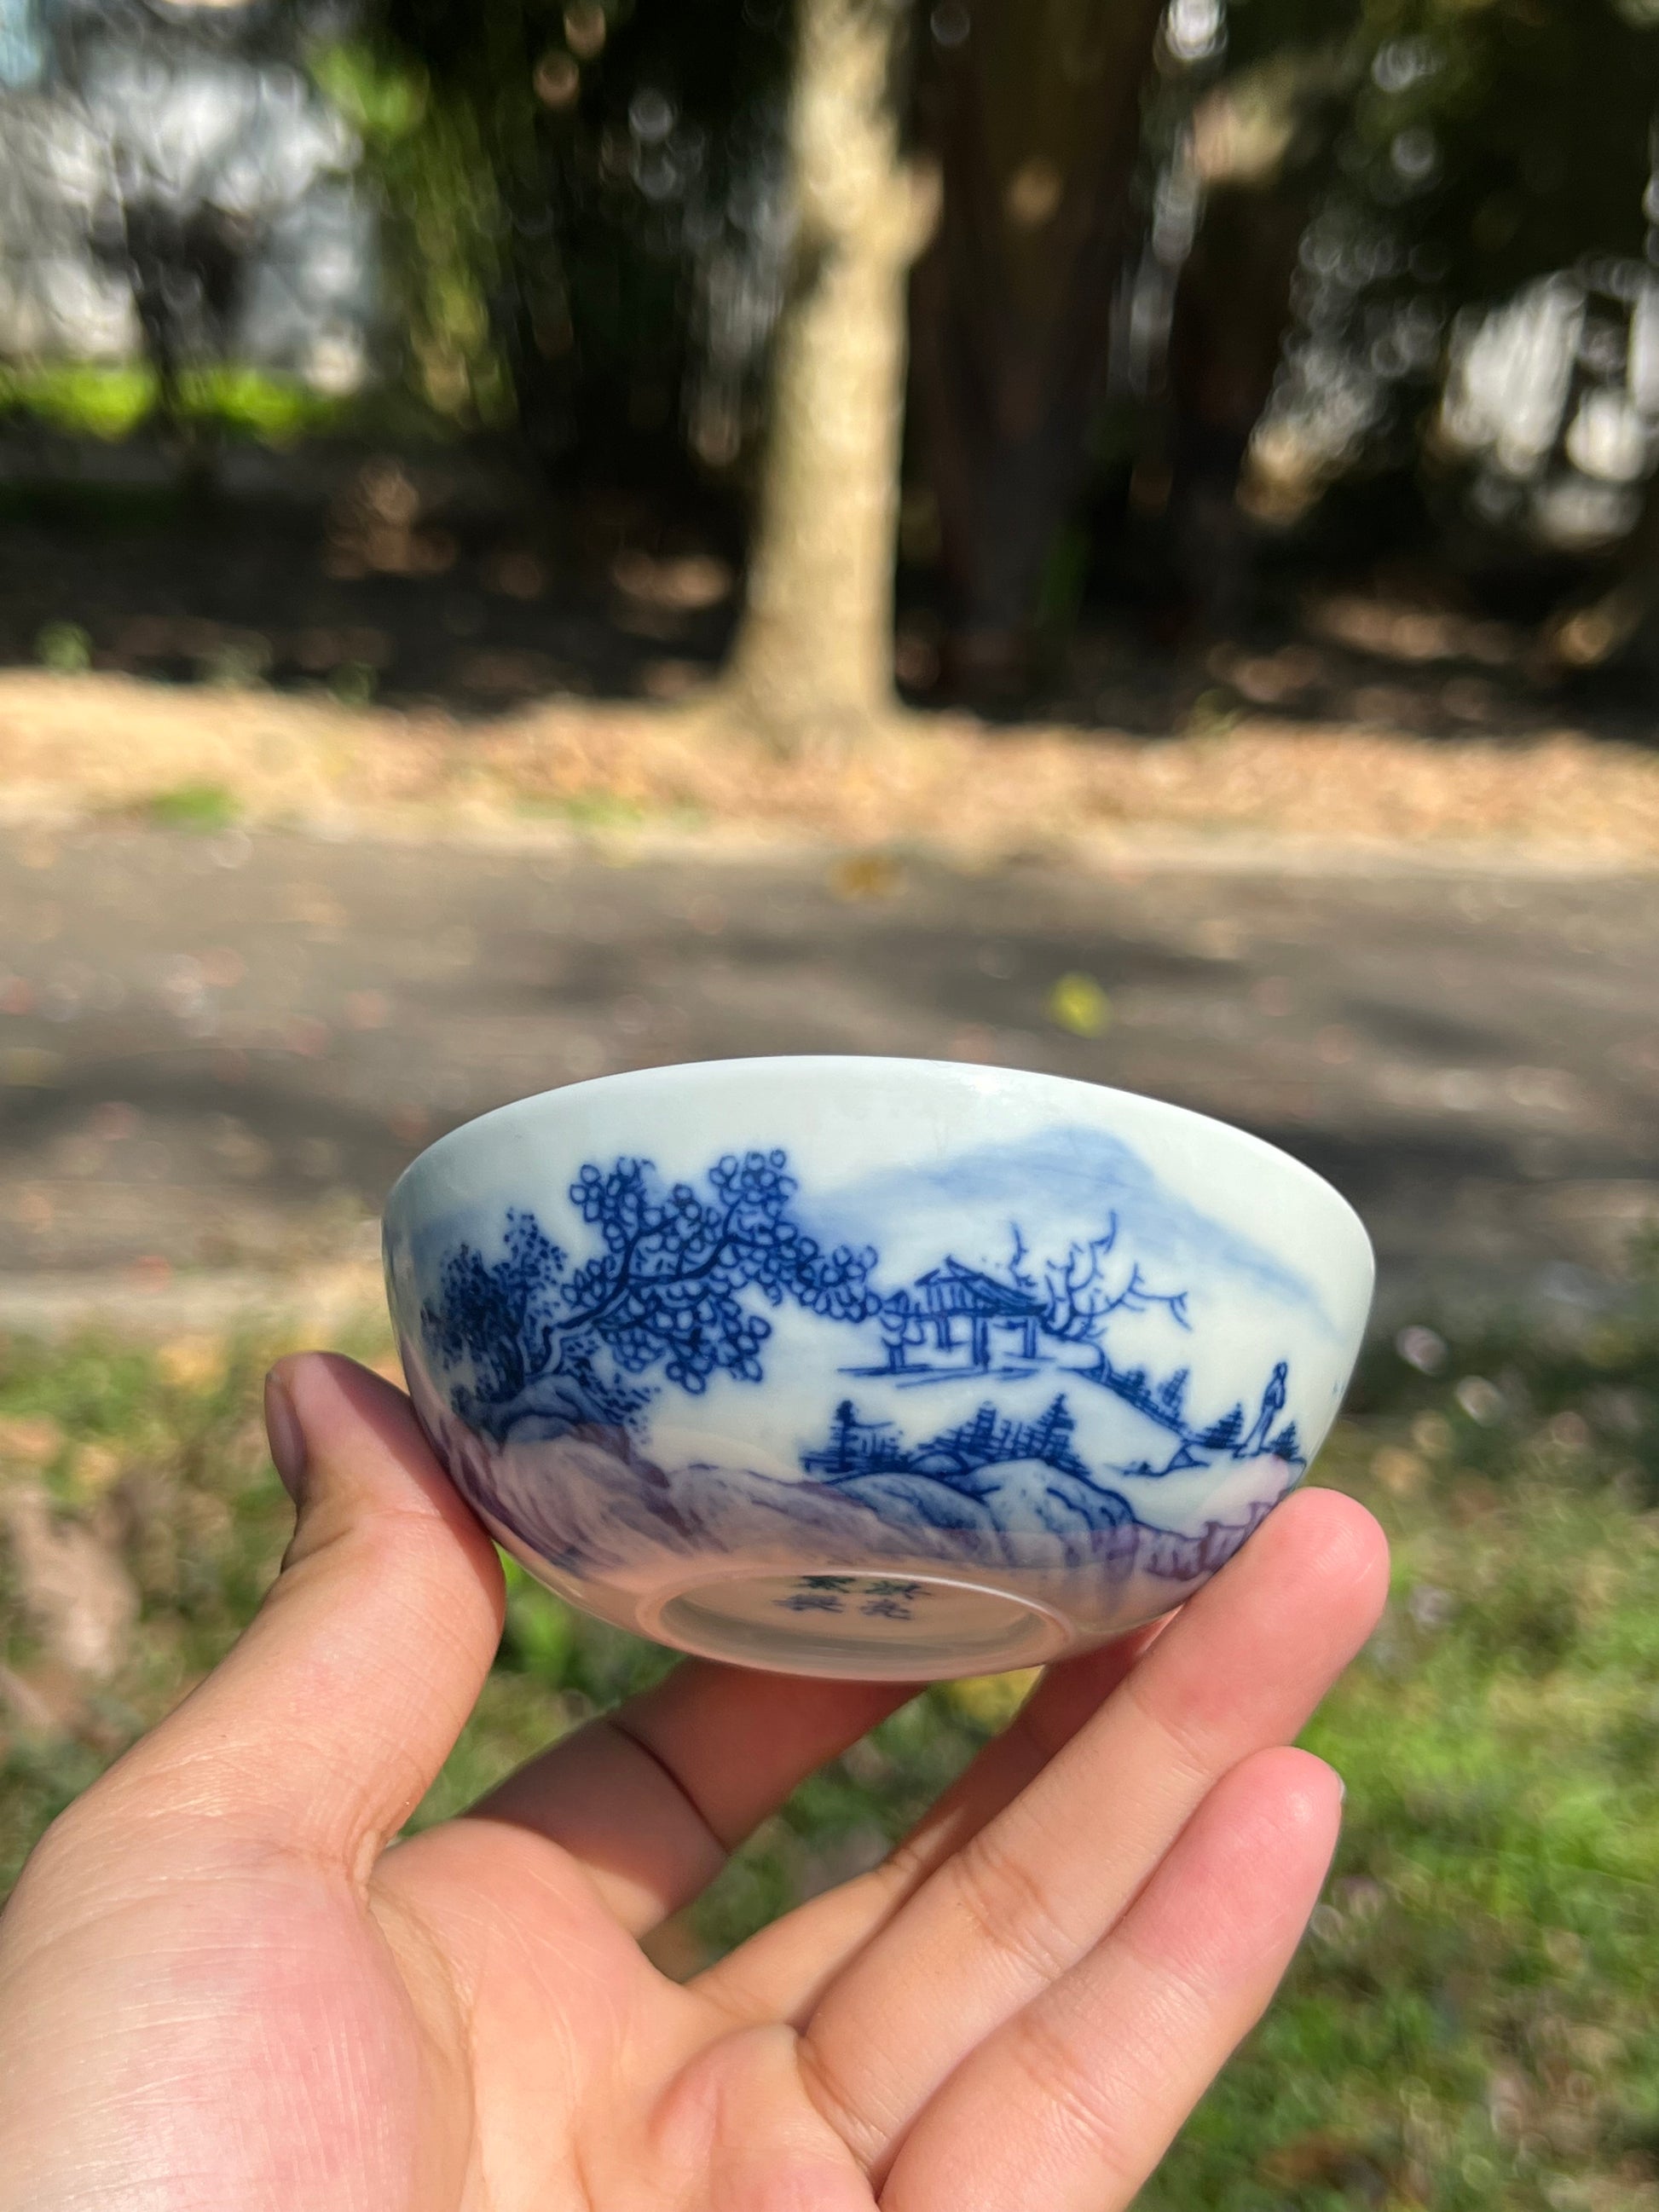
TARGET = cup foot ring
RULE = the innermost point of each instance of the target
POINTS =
(861, 1626)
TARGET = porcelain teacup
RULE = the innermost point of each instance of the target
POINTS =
(891, 1369)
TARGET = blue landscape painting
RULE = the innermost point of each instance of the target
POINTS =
(677, 1290)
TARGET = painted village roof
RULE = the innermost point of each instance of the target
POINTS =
(954, 1288)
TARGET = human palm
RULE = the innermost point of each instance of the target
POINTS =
(222, 1986)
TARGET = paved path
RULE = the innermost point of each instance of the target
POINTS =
(216, 1053)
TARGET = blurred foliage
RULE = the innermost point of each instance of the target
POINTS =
(442, 223)
(553, 176)
(1502, 141)
(1538, 114)
(585, 206)
(1470, 2022)
(1433, 158)
(64, 647)
(97, 399)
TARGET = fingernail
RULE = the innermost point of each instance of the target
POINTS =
(1341, 1788)
(287, 1438)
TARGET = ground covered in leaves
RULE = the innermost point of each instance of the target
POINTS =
(214, 758)
(1470, 2024)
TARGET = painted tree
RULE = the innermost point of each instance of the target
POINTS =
(1226, 1433)
(843, 1435)
(1019, 1252)
(1081, 1295)
(540, 1339)
(1082, 1292)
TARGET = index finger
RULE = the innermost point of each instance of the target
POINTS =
(653, 1799)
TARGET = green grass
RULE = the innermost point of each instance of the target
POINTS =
(1471, 2023)
(203, 806)
(111, 399)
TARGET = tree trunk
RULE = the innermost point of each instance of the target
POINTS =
(1232, 308)
(1617, 617)
(1034, 111)
(813, 654)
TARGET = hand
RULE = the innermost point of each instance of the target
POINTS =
(224, 1987)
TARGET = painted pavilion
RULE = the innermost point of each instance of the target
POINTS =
(953, 1295)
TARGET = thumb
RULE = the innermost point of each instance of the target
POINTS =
(323, 1727)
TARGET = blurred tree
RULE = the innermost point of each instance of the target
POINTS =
(1245, 135)
(619, 216)
(814, 651)
(1395, 238)
(1033, 108)
(583, 197)
(644, 205)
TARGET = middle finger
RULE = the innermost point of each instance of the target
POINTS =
(781, 1973)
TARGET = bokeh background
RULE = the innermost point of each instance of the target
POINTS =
(1112, 536)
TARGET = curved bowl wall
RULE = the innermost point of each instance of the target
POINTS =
(890, 1369)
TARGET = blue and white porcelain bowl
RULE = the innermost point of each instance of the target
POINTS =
(891, 1369)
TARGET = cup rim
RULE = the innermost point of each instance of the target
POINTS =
(969, 1072)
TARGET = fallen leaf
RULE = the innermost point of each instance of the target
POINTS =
(1078, 1004)
(865, 876)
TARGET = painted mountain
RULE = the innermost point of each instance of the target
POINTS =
(594, 1507)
